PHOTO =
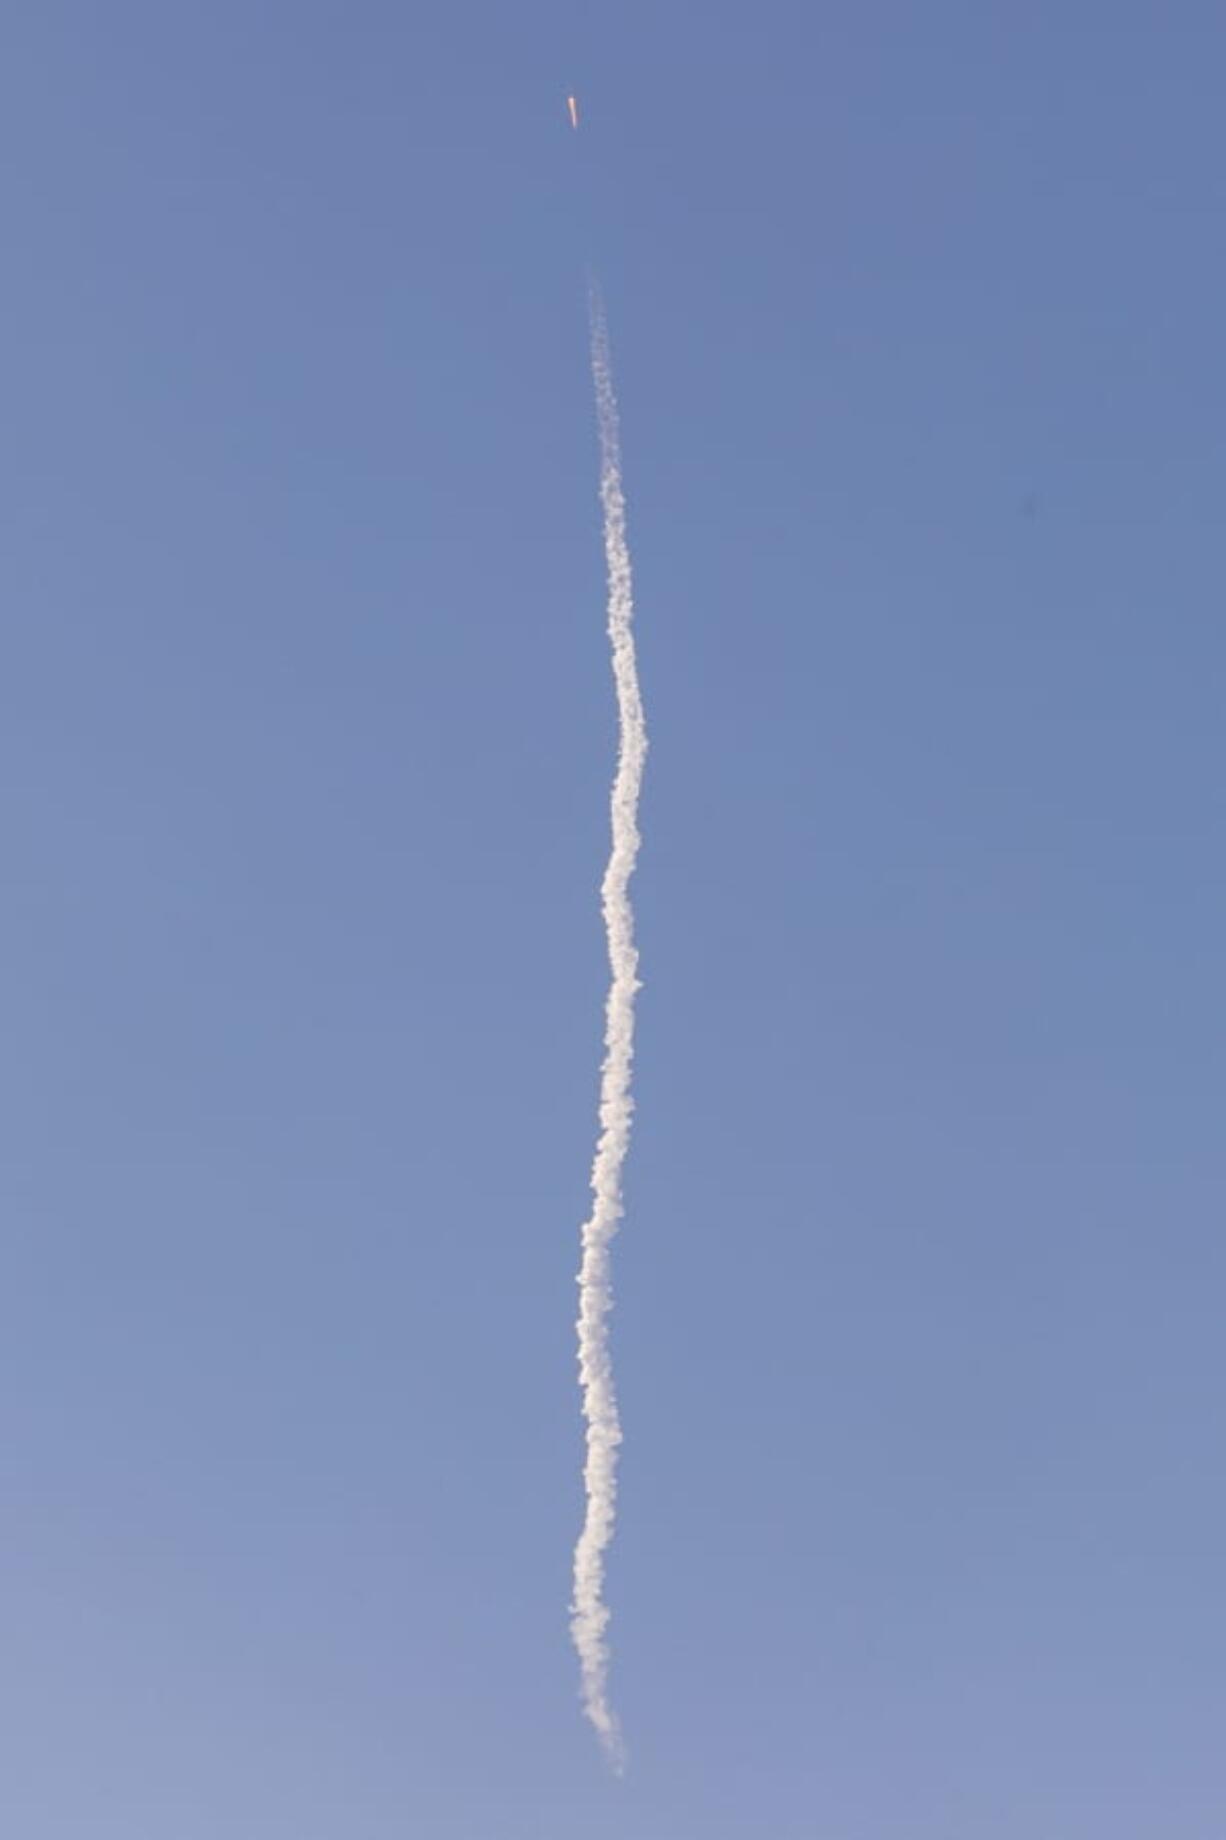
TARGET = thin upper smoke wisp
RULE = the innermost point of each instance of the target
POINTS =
(590, 1614)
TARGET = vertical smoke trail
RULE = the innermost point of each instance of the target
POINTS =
(590, 1615)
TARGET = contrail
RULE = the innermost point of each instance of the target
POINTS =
(589, 1612)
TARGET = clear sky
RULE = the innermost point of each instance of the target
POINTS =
(305, 742)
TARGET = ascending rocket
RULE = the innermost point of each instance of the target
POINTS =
(573, 110)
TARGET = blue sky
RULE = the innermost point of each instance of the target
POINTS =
(306, 739)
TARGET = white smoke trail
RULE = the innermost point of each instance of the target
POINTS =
(589, 1612)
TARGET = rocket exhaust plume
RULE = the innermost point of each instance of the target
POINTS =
(589, 1612)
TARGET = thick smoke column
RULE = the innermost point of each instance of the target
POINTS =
(590, 1615)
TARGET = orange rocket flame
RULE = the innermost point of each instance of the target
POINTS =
(573, 107)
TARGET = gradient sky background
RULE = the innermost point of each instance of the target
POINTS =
(306, 737)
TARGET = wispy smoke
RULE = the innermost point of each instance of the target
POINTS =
(590, 1614)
